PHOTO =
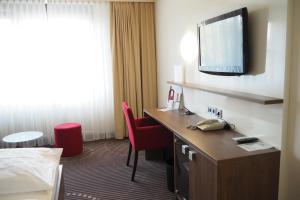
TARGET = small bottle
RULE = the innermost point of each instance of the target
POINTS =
(181, 102)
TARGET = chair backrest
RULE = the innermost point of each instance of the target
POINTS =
(130, 122)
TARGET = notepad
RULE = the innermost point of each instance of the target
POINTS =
(255, 146)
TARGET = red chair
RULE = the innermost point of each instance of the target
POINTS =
(144, 134)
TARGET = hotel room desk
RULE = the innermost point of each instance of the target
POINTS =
(219, 168)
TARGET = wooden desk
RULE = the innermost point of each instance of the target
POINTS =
(219, 168)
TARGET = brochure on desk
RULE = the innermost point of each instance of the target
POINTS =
(174, 94)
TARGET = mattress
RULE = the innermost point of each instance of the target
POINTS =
(52, 194)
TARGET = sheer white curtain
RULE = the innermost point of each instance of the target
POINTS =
(55, 67)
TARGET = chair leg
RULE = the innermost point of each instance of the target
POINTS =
(136, 154)
(129, 154)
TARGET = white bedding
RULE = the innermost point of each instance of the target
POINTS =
(28, 172)
(51, 194)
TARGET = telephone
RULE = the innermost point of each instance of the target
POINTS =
(209, 125)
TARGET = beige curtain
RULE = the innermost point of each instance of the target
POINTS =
(134, 59)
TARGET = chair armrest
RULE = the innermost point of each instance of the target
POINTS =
(145, 121)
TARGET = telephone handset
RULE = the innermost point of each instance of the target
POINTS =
(209, 125)
(206, 121)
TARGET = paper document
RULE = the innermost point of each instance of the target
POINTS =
(255, 146)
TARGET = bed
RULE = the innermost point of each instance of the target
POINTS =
(55, 192)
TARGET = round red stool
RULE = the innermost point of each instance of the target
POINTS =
(69, 137)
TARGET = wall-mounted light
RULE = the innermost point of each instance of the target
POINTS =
(188, 47)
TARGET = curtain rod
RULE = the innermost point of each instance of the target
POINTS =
(103, 1)
(129, 0)
(113, 0)
(141, 1)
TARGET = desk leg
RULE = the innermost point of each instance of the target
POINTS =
(166, 154)
(154, 155)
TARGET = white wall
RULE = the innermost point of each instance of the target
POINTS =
(290, 163)
(176, 22)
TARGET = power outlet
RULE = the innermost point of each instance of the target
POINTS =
(219, 113)
(215, 111)
(210, 109)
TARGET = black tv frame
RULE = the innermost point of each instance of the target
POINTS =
(244, 13)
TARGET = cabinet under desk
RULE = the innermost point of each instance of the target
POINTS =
(218, 169)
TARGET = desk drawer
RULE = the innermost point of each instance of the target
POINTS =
(181, 163)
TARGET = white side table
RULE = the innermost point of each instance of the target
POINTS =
(21, 137)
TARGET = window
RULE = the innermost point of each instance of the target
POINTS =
(55, 67)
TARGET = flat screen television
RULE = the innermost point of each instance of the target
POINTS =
(222, 42)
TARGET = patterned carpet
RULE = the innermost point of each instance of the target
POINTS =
(100, 173)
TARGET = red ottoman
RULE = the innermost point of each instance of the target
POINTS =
(69, 137)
